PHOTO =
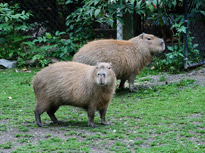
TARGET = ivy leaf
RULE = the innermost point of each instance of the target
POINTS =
(110, 21)
(174, 3)
(151, 8)
(48, 35)
(97, 12)
(6, 19)
(202, 12)
(170, 48)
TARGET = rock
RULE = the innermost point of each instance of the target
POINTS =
(7, 63)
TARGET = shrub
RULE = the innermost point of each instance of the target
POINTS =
(12, 25)
(42, 49)
(173, 61)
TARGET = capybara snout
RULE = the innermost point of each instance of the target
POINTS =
(101, 79)
(75, 84)
(161, 42)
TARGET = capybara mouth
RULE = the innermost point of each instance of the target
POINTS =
(102, 83)
(163, 47)
(101, 80)
(153, 53)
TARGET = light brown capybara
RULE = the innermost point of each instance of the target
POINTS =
(128, 57)
(75, 84)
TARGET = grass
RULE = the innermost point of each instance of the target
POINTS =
(167, 118)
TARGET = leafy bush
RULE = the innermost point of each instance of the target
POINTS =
(80, 22)
(174, 60)
(14, 45)
(42, 49)
(12, 24)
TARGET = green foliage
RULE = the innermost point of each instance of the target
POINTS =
(199, 7)
(107, 12)
(42, 49)
(12, 24)
(174, 60)
(15, 46)
(7, 145)
(80, 23)
(160, 10)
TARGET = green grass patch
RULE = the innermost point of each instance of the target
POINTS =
(7, 145)
(162, 78)
(166, 118)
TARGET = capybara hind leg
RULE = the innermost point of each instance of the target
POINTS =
(51, 114)
(122, 84)
(91, 115)
(38, 111)
(102, 116)
(38, 118)
(131, 82)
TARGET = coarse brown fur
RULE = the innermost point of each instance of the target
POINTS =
(128, 57)
(75, 84)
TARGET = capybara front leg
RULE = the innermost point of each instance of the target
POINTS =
(102, 116)
(38, 118)
(51, 114)
(122, 84)
(91, 115)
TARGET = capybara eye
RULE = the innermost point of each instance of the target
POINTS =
(149, 38)
(109, 67)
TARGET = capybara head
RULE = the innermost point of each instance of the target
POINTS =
(155, 44)
(104, 73)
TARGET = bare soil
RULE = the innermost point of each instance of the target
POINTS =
(198, 75)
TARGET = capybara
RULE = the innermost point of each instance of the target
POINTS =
(75, 84)
(128, 57)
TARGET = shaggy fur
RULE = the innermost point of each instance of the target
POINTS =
(75, 84)
(128, 57)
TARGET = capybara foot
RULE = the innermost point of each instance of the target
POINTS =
(40, 124)
(133, 90)
(93, 125)
(59, 122)
(105, 123)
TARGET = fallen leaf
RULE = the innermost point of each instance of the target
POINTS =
(24, 69)
(152, 68)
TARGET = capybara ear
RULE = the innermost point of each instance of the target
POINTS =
(110, 64)
(97, 65)
(142, 35)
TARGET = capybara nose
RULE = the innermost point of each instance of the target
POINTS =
(101, 74)
(161, 42)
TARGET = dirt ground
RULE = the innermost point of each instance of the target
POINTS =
(40, 133)
(197, 74)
